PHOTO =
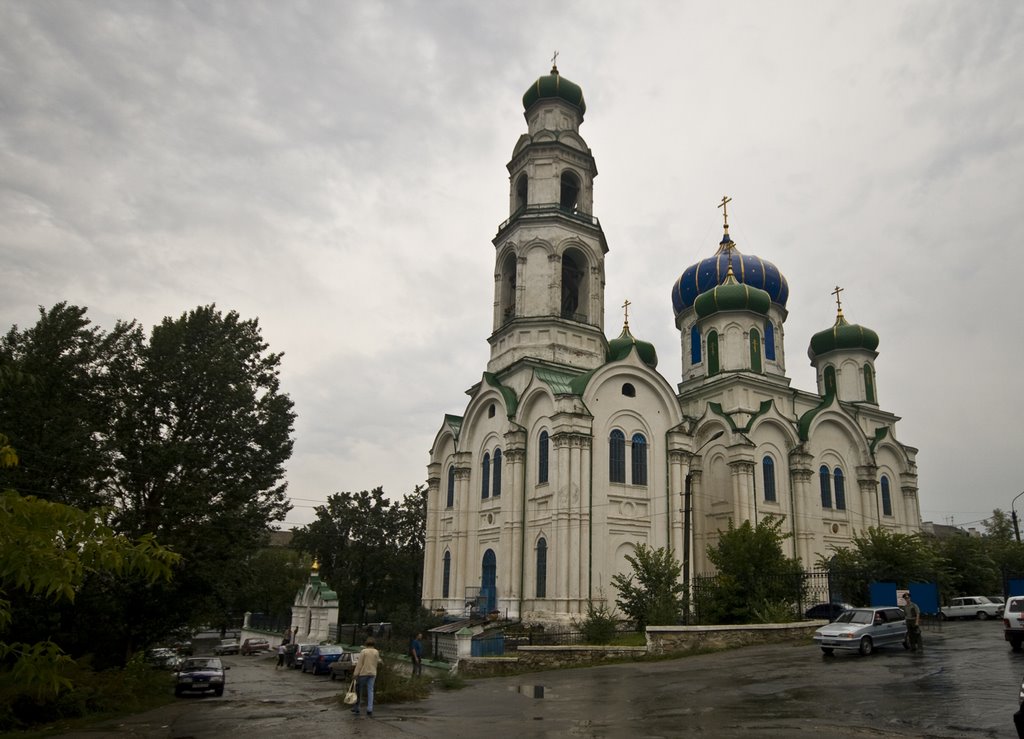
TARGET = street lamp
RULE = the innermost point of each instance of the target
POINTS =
(686, 526)
(1013, 515)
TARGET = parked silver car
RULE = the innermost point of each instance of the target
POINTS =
(863, 630)
(971, 606)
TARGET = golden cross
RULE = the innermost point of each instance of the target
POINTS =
(724, 205)
(839, 305)
(554, 61)
(626, 308)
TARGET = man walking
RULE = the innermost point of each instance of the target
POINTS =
(913, 623)
(416, 652)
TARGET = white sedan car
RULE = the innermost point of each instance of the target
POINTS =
(863, 630)
(971, 606)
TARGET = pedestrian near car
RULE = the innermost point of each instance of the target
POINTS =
(913, 623)
(416, 652)
(365, 674)
(280, 655)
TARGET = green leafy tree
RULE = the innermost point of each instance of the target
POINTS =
(652, 594)
(370, 551)
(753, 575)
(1002, 547)
(969, 568)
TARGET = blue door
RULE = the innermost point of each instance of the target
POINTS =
(488, 580)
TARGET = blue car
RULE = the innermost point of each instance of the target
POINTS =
(319, 660)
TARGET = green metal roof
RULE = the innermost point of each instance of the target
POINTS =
(555, 85)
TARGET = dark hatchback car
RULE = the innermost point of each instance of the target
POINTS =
(301, 653)
(200, 674)
(319, 660)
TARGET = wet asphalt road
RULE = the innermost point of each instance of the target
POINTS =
(964, 685)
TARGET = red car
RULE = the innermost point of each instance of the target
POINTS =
(252, 646)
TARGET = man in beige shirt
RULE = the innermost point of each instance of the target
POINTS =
(365, 674)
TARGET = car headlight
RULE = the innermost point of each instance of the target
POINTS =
(217, 679)
(185, 679)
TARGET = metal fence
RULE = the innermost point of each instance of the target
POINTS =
(795, 591)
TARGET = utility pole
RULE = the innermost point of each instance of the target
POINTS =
(1013, 516)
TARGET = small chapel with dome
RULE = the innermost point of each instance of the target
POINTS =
(573, 448)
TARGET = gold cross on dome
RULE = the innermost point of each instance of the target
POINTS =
(724, 205)
(839, 305)
(554, 61)
(625, 307)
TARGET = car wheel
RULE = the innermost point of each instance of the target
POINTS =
(906, 643)
(218, 691)
(982, 616)
(1015, 644)
(827, 651)
(866, 646)
(942, 616)
(334, 675)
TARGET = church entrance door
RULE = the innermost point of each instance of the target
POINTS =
(488, 581)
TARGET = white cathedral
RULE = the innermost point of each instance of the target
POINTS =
(573, 448)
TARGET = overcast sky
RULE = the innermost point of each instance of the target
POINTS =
(337, 170)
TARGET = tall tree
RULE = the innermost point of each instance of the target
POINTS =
(652, 594)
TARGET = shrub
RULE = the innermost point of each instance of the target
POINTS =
(599, 625)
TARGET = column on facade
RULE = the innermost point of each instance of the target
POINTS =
(460, 578)
(555, 285)
(867, 480)
(586, 491)
(911, 511)
(431, 542)
(512, 526)
(700, 508)
(741, 465)
(678, 466)
(574, 516)
(560, 587)
(801, 472)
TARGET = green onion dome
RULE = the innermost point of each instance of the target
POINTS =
(621, 347)
(842, 335)
(732, 295)
(555, 86)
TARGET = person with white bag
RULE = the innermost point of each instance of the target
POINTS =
(365, 674)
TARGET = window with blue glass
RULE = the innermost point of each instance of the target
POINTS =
(768, 475)
(542, 568)
(826, 487)
(446, 575)
(639, 460)
(451, 487)
(542, 458)
(886, 497)
(497, 473)
(769, 340)
(694, 345)
(617, 457)
(840, 490)
(485, 485)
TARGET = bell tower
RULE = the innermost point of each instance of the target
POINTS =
(549, 253)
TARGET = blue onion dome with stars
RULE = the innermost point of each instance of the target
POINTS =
(555, 85)
(842, 335)
(711, 272)
(731, 295)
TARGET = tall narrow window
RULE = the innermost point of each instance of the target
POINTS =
(572, 279)
(869, 384)
(497, 473)
(712, 353)
(639, 460)
(886, 497)
(826, 487)
(446, 575)
(768, 472)
(485, 484)
(755, 350)
(451, 487)
(521, 190)
(570, 195)
(840, 490)
(769, 340)
(617, 456)
(489, 580)
(542, 568)
(542, 458)
(830, 380)
(694, 345)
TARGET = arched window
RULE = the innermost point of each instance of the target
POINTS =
(485, 485)
(886, 497)
(508, 288)
(542, 458)
(840, 491)
(830, 380)
(617, 456)
(521, 190)
(639, 460)
(542, 568)
(712, 353)
(497, 473)
(446, 575)
(768, 473)
(826, 487)
(569, 199)
(769, 340)
(572, 278)
(869, 384)
(755, 350)
(694, 344)
(489, 580)
(451, 487)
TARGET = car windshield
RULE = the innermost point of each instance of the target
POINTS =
(331, 650)
(200, 664)
(855, 617)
